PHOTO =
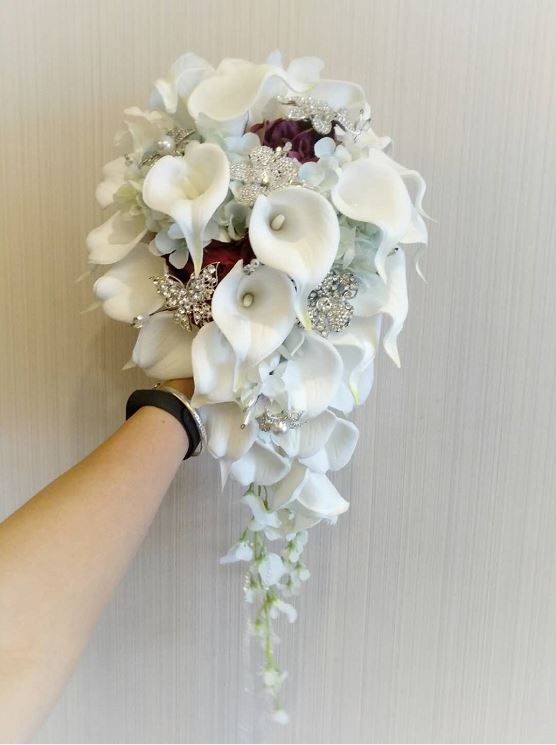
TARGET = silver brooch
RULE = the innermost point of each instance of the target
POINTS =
(322, 116)
(172, 142)
(280, 422)
(190, 303)
(266, 171)
(328, 304)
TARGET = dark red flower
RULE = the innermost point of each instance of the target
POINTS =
(300, 133)
(228, 254)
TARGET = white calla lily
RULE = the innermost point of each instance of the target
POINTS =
(189, 189)
(113, 177)
(237, 91)
(397, 304)
(186, 73)
(213, 366)
(163, 349)
(371, 190)
(254, 311)
(341, 94)
(226, 436)
(357, 346)
(337, 450)
(312, 375)
(296, 231)
(126, 289)
(115, 238)
(313, 491)
(261, 464)
(309, 438)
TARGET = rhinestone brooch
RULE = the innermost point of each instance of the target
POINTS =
(321, 115)
(266, 171)
(172, 142)
(190, 303)
(280, 422)
(328, 304)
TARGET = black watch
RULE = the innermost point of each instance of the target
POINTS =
(170, 403)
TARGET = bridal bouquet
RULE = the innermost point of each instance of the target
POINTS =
(256, 242)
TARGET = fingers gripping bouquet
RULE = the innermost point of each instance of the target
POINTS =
(256, 241)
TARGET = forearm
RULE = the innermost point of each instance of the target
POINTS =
(64, 551)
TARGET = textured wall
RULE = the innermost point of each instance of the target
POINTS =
(431, 613)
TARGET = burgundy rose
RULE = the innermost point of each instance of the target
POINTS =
(279, 131)
(228, 254)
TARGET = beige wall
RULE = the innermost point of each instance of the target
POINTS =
(431, 613)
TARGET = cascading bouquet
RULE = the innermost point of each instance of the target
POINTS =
(256, 243)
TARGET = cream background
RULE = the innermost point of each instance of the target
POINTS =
(431, 612)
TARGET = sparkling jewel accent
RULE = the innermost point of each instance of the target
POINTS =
(266, 171)
(279, 422)
(191, 303)
(172, 142)
(321, 115)
(328, 306)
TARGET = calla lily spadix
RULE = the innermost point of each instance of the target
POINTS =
(254, 311)
(296, 231)
(189, 189)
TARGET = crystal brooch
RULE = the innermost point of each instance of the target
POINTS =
(328, 304)
(266, 171)
(321, 115)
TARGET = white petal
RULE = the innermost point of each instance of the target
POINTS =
(371, 297)
(309, 438)
(312, 375)
(189, 189)
(261, 516)
(340, 94)
(313, 491)
(397, 304)
(371, 191)
(143, 128)
(114, 177)
(234, 90)
(306, 69)
(260, 465)
(226, 438)
(213, 365)
(305, 245)
(186, 72)
(115, 238)
(357, 347)
(257, 329)
(337, 451)
(126, 289)
(163, 349)
(271, 569)
(239, 552)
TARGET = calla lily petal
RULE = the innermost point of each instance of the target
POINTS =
(312, 375)
(235, 90)
(397, 304)
(337, 451)
(213, 366)
(313, 491)
(114, 177)
(163, 349)
(309, 438)
(341, 94)
(260, 465)
(226, 438)
(371, 191)
(254, 311)
(357, 347)
(126, 289)
(115, 238)
(189, 189)
(186, 72)
(305, 243)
